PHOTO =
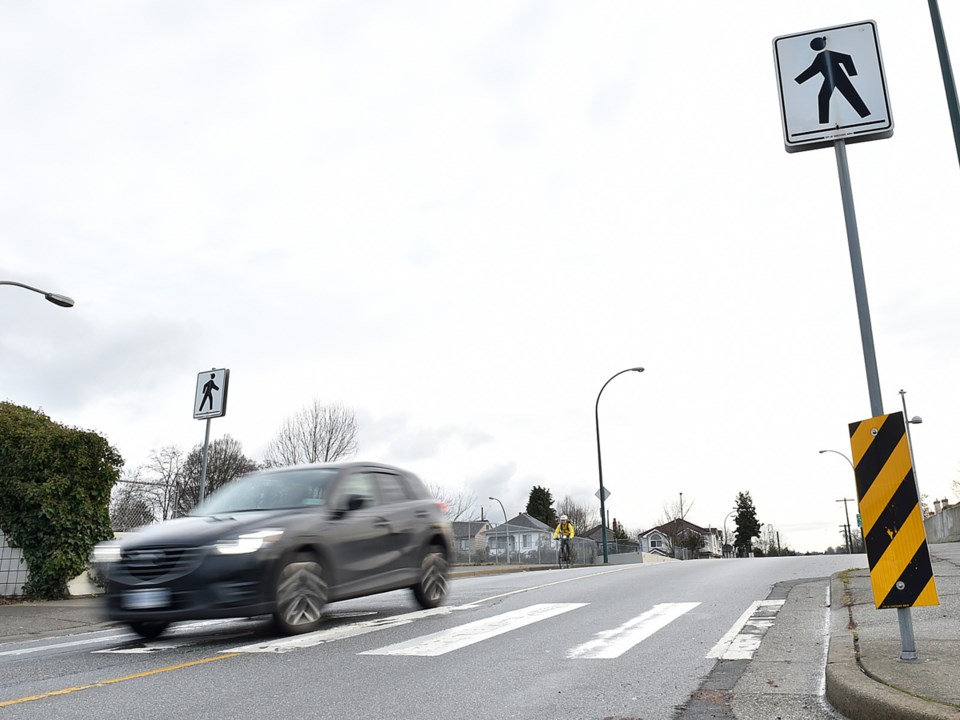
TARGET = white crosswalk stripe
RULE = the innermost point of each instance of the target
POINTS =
(298, 642)
(742, 640)
(614, 643)
(446, 641)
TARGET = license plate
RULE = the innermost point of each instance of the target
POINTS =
(146, 599)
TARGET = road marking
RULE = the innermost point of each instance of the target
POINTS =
(320, 637)
(614, 643)
(742, 640)
(71, 643)
(103, 683)
(445, 641)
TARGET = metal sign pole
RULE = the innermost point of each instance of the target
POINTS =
(908, 650)
(203, 464)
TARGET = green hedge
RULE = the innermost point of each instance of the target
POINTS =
(55, 484)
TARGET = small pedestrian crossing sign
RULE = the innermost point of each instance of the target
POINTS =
(832, 86)
(210, 400)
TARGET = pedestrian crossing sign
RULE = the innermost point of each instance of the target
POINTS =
(832, 86)
(210, 400)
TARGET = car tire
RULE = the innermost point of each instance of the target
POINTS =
(149, 629)
(432, 587)
(301, 595)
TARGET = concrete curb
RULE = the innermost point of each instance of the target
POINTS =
(855, 693)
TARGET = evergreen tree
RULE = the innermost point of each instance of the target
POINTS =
(748, 527)
(540, 506)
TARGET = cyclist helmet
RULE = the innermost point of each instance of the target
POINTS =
(563, 518)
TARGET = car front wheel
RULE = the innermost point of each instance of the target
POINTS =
(432, 587)
(149, 630)
(301, 595)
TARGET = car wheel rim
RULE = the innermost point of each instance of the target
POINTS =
(301, 593)
(434, 582)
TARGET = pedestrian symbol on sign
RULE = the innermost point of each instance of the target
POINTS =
(208, 389)
(210, 400)
(837, 68)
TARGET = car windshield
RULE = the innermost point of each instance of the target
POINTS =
(269, 491)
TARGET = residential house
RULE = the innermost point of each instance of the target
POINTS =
(522, 538)
(668, 540)
(470, 540)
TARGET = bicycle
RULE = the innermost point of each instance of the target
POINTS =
(563, 553)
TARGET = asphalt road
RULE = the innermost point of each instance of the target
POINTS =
(628, 641)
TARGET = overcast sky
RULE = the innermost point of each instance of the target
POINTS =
(461, 219)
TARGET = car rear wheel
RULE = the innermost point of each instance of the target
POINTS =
(147, 629)
(301, 595)
(432, 588)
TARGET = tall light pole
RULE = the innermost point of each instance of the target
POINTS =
(61, 300)
(949, 86)
(505, 523)
(596, 416)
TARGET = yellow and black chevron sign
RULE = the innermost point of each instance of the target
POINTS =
(900, 568)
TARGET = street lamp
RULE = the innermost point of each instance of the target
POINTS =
(596, 415)
(504, 522)
(915, 420)
(61, 300)
(848, 536)
(725, 527)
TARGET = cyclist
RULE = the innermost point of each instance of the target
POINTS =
(564, 531)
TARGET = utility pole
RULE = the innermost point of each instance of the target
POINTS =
(847, 526)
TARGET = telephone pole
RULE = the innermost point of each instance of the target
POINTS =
(847, 526)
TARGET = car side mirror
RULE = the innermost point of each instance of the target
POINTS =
(355, 502)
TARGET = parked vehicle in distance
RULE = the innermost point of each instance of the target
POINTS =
(282, 542)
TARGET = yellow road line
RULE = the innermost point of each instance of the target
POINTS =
(102, 683)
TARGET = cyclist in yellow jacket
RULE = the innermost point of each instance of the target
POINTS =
(564, 531)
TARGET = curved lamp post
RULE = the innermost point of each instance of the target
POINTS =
(504, 522)
(845, 500)
(596, 416)
(725, 525)
(61, 300)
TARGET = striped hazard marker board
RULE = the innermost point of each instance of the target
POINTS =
(900, 569)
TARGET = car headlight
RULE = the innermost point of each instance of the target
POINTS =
(248, 542)
(107, 552)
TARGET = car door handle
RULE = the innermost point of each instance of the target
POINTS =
(381, 522)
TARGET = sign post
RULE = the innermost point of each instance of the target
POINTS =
(833, 91)
(210, 401)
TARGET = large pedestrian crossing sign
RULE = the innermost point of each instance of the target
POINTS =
(210, 399)
(832, 86)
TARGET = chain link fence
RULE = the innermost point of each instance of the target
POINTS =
(478, 543)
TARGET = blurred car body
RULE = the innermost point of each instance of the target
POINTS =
(283, 542)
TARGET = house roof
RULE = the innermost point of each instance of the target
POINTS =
(469, 528)
(674, 527)
(520, 523)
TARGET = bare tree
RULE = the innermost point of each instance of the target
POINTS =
(581, 516)
(131, 502)
(459, 502)
(225, 462)
(318, 433)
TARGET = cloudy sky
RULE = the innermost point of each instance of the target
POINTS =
(461, 219)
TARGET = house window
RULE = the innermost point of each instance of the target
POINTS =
(656, 542)
(527, 542)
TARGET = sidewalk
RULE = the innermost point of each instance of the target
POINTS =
(865, 680)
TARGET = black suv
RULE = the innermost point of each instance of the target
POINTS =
(283, 542)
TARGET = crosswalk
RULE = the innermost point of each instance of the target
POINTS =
(740, 642)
